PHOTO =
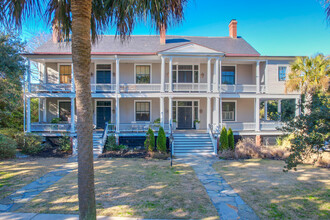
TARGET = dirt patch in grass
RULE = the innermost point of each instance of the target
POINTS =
(16, 173)
(273, 194)
(132, 188)
(124, 154)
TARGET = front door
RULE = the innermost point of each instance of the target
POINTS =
(103, 113)
(185, 115)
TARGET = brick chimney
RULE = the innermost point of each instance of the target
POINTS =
(162, 34)
(56, 34)
(233, 28)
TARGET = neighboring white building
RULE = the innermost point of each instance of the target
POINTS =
(219, 81)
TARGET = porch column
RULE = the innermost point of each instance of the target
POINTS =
(72, 80)
(44, 110)
(220, 75)
(208, 110)
(170, 74)
(28, 115)
(209, 75)
(216, 83)
(117, 76)
(44, 79)
(162, 111)
(279, 109)
(29, 76)
(73, 107)
(297, 107)
(258, 76)
(257, 114)
(217, 107)
(220, 112)
(170, 106)
(266, 110)
(117, 115)
(162, 75)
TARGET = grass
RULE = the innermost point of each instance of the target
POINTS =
(132, 188)
(16, 173)
(273, 194)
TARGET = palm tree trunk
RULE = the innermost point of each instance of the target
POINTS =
(81, 57)
(308, 103)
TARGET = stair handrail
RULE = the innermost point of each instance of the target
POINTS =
(171, 141)
(213, 138)
(105, 134)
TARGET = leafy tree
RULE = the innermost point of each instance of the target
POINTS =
(82, 21)
(310, 75)
(149, 143)
(12, 67)
(310, 132)
(223, 139)
(161, 140)
(231, 140)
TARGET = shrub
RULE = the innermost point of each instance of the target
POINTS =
(246, 149)
(111, 144)
(55, 120)
(7, 147)
(64, 143)
(161, 141)
(30, 144)
(149, 143)
(9, 132)
(120, 147)
(158, 155)
(231, 140)
(223, 143)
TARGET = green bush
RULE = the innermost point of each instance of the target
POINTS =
(64, 143)
(161, 141)
(55, 120)
(149, 143)
(30, 144)
(111, 144)
(9, 132)
(7, 147)
(223, 139)
(231, 140)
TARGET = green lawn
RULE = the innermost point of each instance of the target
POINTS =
(132, 188)
(273, 194)
(16, 173)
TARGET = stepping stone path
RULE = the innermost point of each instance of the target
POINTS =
(22, 196)
(227, 202)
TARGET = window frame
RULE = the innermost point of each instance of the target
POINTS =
(278, 73)
(193, 71)
(142, 64)
(193, 109)
(58, 108)
(235, 116)
(150, 103)
(59, 72)
(235, 74)
(111, 71)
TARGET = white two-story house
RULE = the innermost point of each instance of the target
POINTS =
(173, 80)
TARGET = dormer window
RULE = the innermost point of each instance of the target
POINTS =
(228, 75)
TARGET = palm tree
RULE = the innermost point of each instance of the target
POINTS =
(83, 21)
(309, 75)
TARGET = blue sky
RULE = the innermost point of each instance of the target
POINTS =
(282, 27)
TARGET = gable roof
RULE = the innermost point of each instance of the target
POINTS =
(148, 45)
(191, 49)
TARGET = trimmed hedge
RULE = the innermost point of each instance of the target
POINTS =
(231, 140)
(149, 143)
(223, 143)
(161, 141)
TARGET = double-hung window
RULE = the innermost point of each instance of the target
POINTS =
(103, 73)
(65, 74)
(282, 73)
(142, 111)
(228, 111)
(143, 74)
(228, 75)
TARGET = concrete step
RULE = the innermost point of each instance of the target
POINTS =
(191, 135)
(192, 154)
(192, 142)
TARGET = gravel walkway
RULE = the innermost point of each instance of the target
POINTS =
(227, 202)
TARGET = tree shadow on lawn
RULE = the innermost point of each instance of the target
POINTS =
(132, 188)
(273, 194)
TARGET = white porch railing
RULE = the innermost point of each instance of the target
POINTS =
(136, 127)
(36, 87)
(238, 88)
(49, 127)
(188, 87)
(139, 87)
(103, 88)
(240, 126)
(270, 125)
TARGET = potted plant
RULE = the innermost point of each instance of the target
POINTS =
(196, 122)
(174, 124)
